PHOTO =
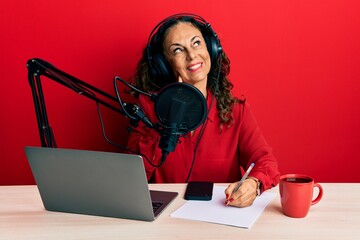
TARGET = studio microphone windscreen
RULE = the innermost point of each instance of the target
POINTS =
(183, 104)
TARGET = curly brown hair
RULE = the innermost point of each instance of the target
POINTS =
(218, 82)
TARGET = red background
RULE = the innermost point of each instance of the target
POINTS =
(298, 63)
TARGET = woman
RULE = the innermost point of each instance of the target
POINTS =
(184, 48)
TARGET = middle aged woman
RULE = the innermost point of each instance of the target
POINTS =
(184, 48)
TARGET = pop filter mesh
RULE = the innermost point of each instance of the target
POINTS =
(194, 113)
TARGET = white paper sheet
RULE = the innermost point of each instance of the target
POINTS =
(215, 211)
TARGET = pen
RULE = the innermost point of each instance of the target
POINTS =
(241, 180)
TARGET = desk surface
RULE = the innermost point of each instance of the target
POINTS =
(336, 216)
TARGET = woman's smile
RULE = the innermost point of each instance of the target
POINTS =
(195, 67)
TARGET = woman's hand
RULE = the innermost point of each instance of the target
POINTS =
(244, 196)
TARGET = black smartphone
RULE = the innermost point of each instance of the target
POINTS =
(199, 191)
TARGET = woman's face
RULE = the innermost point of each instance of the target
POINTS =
(185, 49)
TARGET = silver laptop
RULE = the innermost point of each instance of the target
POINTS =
(95, 183)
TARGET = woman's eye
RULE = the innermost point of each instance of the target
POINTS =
(196, 43)
(177, 50)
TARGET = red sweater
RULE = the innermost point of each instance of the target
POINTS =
(221, 155)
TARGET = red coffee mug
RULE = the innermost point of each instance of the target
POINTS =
(296, 194)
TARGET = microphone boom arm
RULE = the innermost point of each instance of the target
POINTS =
(37, 68)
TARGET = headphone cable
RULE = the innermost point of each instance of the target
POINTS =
(203, 126)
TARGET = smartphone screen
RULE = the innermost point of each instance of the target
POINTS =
(199, 191)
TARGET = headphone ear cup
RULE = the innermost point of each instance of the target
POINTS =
(212, 43)
(160, 69)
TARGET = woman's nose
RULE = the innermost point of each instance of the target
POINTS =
(191, 54)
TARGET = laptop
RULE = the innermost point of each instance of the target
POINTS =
(95, 183)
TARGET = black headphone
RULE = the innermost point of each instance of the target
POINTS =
(160, 69)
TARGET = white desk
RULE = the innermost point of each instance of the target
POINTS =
(336, 216)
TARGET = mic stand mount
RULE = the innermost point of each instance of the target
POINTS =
(37, 68)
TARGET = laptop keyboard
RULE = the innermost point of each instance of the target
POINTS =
(156, 205)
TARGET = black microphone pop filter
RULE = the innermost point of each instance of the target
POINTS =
(181, 104)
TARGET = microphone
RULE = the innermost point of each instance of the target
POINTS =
(171, 128)
(181, 108)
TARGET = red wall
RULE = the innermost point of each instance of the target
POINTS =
(298, 62)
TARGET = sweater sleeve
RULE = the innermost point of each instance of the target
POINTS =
(254, 148)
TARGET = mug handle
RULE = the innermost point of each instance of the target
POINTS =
(319, 196)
